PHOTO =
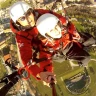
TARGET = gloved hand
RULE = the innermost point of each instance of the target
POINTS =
(46, 77)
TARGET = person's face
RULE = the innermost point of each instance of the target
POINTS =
(55, 33)
(27, 19)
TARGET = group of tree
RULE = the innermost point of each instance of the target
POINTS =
(79, 2)
(85, 16)
(6, 4)
(81, 10)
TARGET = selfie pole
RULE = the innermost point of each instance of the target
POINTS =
(52, 84)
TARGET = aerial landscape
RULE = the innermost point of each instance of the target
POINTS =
(72, 79)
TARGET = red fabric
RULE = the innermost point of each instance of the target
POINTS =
(72, 30)
(33, 32)
(25, 45)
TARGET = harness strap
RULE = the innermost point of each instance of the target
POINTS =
(35, 56)
(77, 43)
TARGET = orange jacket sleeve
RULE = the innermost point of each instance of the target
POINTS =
(73, 31)
(25, 49)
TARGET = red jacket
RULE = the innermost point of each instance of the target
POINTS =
(25, 40)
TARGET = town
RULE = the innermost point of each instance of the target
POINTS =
(83, 14)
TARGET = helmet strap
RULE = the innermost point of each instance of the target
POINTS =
(49, 37)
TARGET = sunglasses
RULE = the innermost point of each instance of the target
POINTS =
(28, 13)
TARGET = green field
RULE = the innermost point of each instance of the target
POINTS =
(78, 26)
(64, 71)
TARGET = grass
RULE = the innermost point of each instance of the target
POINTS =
(6, 3)
(78, 26)
(2, 70)
(64, 71)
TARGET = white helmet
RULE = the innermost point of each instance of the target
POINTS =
(46, 23)
(18, 9)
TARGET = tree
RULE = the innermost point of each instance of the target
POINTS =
(7, 3)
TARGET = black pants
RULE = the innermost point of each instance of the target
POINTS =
(9, 81)
(78, 54)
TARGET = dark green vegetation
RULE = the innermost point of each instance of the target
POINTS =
(9, 39)
(2, 69)
(86, 18)
(7, 3)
